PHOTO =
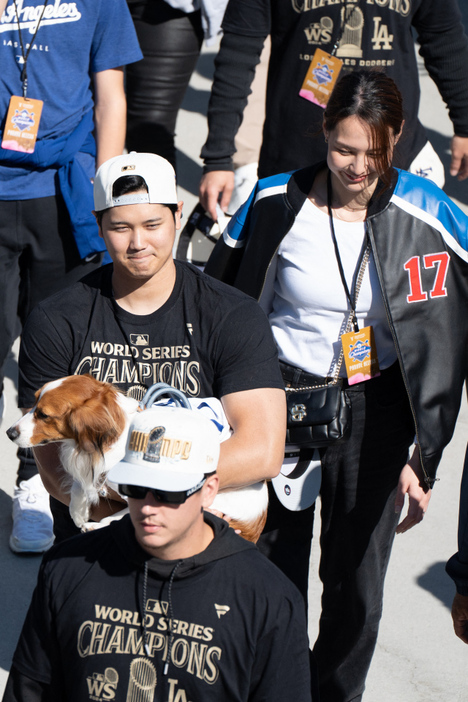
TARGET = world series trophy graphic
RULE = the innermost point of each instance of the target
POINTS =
(142, 683)
(351, 41)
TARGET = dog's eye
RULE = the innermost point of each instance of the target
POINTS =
(41, 415)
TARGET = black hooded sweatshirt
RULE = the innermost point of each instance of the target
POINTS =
(223, 625)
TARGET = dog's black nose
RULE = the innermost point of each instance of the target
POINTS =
(12, 433)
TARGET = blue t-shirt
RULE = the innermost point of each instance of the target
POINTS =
(74, 40)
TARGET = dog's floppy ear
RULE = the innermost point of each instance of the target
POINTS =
(98, 422)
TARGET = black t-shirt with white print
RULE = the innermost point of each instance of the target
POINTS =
(238, 625)
(208, 339)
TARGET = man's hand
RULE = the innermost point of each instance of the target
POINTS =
(212, 185)
(459, 163)
(460, 616)
(410, 483)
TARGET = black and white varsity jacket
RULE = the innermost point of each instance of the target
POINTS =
(419, 240)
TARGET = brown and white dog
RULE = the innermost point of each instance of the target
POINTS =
(91, 420)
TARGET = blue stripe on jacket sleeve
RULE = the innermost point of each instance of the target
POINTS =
(424, 200)
(235, 233)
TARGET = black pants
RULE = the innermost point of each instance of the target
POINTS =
(38, 257)
(358, 491)
(170, 41)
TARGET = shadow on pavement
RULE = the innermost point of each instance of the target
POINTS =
(189, 173)
(10, 369)
(17, 583)
(436, 581)
(205, 64)
(196, 100)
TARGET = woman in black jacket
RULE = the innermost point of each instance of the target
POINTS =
(333, 250)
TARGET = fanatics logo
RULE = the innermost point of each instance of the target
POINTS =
(221, 610)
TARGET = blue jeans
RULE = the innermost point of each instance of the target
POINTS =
(359, 482)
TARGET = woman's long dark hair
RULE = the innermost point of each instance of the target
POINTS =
(375, 99)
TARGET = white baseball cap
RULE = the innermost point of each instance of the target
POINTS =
(168, 448)
(157, 173)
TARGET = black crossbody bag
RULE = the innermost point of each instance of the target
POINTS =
(317, 415)
(320, 415)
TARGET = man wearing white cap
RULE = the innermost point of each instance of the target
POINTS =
(147, 318)
(167, 604)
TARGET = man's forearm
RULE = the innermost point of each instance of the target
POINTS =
(235, 71)
(57, 482)
(241, 465)
(255, 450)
(109, 115)
(52, 473)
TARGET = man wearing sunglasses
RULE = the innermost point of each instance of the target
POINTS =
(166, 604)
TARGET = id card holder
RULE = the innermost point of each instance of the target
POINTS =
(360, 355)
(22, 124)
(320, 78)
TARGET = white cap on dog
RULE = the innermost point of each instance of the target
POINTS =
(157, 173)
(168, 448)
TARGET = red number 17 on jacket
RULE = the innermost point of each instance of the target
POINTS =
(439, 261)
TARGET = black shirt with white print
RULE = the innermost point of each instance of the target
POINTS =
(108, 622)
(208, 339)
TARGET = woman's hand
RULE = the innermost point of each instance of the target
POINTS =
(411, 483)
(221, 515)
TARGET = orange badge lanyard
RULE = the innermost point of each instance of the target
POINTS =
(24, 114)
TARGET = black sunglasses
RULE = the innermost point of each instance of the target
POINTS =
(137, 492)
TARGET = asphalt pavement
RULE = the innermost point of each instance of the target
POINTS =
(418, 657)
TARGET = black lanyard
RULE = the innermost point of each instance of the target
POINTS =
(352, 300)
(24, 74)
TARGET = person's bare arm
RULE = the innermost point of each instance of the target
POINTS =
(110, 114)
(56, 480)
(255, 450)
